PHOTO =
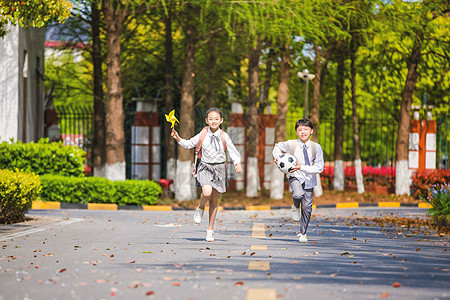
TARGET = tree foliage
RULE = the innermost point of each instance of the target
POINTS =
(34, 13)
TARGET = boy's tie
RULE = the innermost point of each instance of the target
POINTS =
(305, 153)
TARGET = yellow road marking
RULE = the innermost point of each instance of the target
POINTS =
(102, 206)
(261, 294)
(425, 205)
(39, 204)
(258, 230)
(347, 205)
(259, 265)
(157, 207)
(258, 247)
(388, 204)
(257, 207)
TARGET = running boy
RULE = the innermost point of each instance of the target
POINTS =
(302, 177)
(211, 171)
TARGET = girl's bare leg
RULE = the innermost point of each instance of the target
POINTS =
(205, 196)
(213, 207)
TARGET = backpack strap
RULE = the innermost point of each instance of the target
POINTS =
(224, 142)
(313, 151)
(198, 149)
(293, 147)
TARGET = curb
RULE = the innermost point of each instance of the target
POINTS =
(44, 205)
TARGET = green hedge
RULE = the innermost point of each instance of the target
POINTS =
(17, 191)
(99, 190)
(42, 158)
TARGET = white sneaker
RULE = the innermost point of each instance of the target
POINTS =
(295, 213)
(198, 215)
(210, 235)
(303, 238)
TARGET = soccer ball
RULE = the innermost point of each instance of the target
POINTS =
(285, 162)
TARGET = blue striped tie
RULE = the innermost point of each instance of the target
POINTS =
(305, 153)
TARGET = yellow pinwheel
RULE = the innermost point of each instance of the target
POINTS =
(171, 118)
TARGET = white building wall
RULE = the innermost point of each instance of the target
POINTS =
(17, 48)
(9, 82)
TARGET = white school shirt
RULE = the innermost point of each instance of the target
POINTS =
(306, 174)
(213, 152)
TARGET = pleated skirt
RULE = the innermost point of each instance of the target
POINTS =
(214, 175)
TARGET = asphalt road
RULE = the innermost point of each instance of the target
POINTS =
(84, 254)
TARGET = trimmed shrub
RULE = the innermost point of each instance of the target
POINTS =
(137, 192)
(42, 158)
(99, 190)
(424, 181)
(77, 190)
(17, 191)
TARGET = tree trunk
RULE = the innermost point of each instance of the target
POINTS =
(315, 106)
(356, 146)
(169, 90)
(402, 177)
(252, 112)
(265, 96)
(314, 114)
(115, 137)
(339, 126)
(212, 70)
(277, 178)
(99, 148)
(184, 184)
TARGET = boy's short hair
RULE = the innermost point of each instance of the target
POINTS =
(304, 122)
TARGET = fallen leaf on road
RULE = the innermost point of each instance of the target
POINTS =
(62, 270)
(149, 293)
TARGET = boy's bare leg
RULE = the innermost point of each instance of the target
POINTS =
(205, 196)
(213, 207)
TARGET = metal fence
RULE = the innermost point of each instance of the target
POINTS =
(77, 128)
(377, 138)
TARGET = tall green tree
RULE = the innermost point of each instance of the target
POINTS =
(414, 32)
